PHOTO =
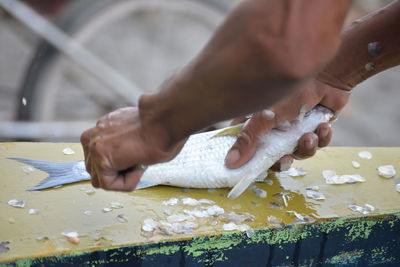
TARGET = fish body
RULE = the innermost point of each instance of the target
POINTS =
(201, 162)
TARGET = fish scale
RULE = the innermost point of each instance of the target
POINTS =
(201, 162)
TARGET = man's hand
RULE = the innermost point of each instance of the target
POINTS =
(116, 149)
(315, 92)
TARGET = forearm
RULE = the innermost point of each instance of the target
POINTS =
(369, 45)
(264, 51)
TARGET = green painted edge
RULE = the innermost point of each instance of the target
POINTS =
(355, 227)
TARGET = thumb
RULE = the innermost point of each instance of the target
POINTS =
(247, 141)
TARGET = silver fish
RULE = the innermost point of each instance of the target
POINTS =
(201, 162)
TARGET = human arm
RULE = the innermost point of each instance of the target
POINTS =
(264, 51)
(369, 45)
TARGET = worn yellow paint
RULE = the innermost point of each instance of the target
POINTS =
(62, 209)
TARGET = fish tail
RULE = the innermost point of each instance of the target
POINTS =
(60, 173)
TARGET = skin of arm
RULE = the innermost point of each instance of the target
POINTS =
(369, 45)
(263, 52)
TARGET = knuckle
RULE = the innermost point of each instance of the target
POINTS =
(102, 158)
(85, 137)
(130, 188)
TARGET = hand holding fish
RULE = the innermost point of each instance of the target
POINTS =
(106, 155)
(315, 92)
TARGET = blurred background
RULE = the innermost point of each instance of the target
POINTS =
(50, 95)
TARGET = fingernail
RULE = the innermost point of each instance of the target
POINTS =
(232, 157)
(324, 131)
(310, 142)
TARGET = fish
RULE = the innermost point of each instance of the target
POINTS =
(201, 162)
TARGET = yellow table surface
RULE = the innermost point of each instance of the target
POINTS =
(62, 209)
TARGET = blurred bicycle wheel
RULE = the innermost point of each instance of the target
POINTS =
(145, 40)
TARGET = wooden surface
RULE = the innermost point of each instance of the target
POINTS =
(62, 209)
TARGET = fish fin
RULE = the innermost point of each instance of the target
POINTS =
(242, 185)
(261, 177)
(144, 184)
(60, 173)
(229, 131)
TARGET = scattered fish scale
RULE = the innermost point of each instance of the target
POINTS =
(398, 188)
(250, 233)
(355, 164)
(73, 237)
(33, 212)
(331, 177)
(88, 212)
(364, 210)
(215, 210)
(17, 203)
(280, 196)
(171, 202)
(272, 220)
(167, 212)
(70, 234)
(284, 200)
(194, 202)
(90, 191)
(315, 195)
(275, 205)
(149, 225)
(68, 151)
(27, 169)
(386, 171)
(107, 209)
(365, 155)
(206, 201)
(190, 219)
(313, 188)
(116, 205)
(121, 218)
(184, 228)
(233, 226)
(230, 226)
(259, 192)
(267, 181)
(197, 213)
(179, 217)
(292, 172)
(238, 217)
(213, 222)
(237, 207)
(297, 215)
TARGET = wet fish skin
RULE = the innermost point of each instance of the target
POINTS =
(201, 162)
